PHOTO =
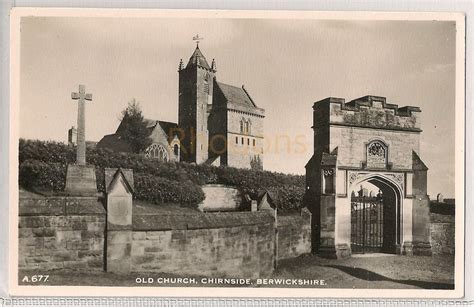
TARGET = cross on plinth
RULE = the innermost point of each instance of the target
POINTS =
(81, 123)
(80, 178)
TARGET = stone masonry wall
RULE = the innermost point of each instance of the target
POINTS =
(442, 238)
(238, 244)
(294, 235)
(61, 233)
(241, 148)
(351, 142)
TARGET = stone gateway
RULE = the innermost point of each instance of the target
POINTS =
(367, 141)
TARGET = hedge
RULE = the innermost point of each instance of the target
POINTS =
(289, 188)
(162, 190)
(34, 174)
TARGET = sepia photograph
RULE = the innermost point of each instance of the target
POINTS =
(245, 153)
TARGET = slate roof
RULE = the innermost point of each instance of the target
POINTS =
(236, 95)
(198, 59)
(114, 142)
(166, 126)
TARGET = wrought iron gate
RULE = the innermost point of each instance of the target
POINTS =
(367, 229)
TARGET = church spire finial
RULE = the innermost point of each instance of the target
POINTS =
(197, 39)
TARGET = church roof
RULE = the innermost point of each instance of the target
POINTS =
(236, 95)
(166, 126)
(114, 142)
(198, 59)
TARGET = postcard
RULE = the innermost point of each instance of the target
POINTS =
(236, 153)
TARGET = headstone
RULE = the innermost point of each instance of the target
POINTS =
(440, 198)
(119, 189)
(80, 178)
(253, 205)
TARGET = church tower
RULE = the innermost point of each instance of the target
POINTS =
(196, 82)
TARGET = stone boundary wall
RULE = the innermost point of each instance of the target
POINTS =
(442, 238)
(294, 234)
(61, 233)
(238, 244)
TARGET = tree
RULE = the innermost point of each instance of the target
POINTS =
(133, 128)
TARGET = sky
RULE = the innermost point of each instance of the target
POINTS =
(285, 65)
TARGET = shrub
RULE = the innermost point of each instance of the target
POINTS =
(38, 175)
(46, 151)
(288, 188)
(162, 190)
(289, 197)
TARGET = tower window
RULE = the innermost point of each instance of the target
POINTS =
(242, 141)
(248, 141)
(254, 142)
(206, 83)
(328, 181)
(236, 140)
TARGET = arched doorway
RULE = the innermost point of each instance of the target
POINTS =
(375, 216)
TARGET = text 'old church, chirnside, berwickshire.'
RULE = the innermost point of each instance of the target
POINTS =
(218, 124)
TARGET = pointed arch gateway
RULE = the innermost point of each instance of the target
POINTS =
(367, 142)
(376, 217)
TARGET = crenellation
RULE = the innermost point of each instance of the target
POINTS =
(373, 112)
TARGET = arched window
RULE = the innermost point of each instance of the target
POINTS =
(206, 83)
(156, 151)
(245, 126)
(176, 150)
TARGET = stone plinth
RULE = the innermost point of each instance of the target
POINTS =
(81, 180)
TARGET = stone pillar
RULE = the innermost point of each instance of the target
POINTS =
(421, 209)
(119, 189)
(421, 226)
(253, 205)
(81, 134)
(327, 225)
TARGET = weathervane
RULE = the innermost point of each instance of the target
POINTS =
(197, 39)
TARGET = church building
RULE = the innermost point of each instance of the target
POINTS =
(218, 123)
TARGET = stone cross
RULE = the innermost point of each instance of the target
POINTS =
(81, 123)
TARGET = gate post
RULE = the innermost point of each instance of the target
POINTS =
(119, 189)
(421, 209)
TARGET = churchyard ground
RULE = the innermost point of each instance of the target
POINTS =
(376, 271)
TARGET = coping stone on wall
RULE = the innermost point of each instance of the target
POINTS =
(61, 205)
(200, 220)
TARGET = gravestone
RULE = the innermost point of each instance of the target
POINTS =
(80, 178)
(119, 189)
(440, 198)
(253, 205)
